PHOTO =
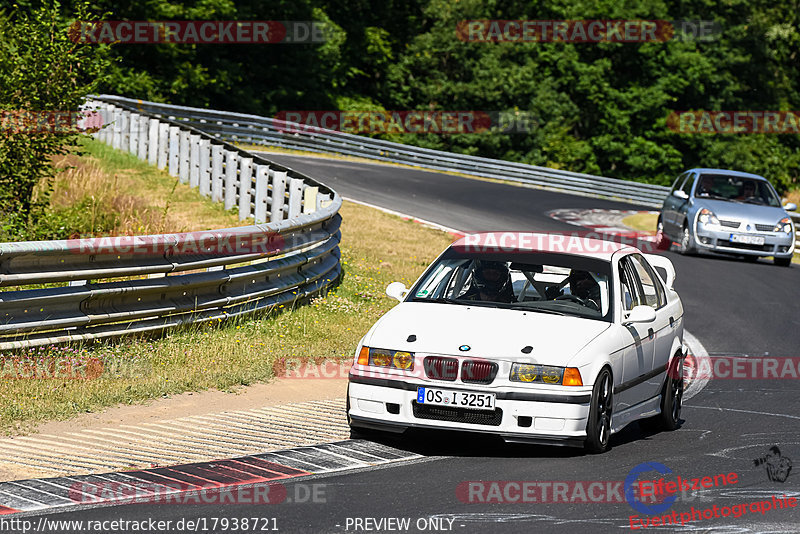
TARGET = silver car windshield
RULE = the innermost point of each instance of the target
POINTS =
(553, 287)
(737, 189)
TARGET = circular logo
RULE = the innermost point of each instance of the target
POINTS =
(464, 348)
(630, 492)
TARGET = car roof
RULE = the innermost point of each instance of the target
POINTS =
(728, 172)
(576, 245)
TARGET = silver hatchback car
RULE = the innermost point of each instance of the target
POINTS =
(729, 212)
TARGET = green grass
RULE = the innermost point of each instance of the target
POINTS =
(377, 248)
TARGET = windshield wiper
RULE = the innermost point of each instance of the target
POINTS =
(442, 300)
(534, 309)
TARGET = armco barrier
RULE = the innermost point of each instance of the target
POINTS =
(256, 130)
(289, 255)
(253, 129)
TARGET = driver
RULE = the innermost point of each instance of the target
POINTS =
(492, 282)
(584, 286)
(748, 190)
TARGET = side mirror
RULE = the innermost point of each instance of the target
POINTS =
(397, 290)
(640, 314)
(790, 206)
(680, 193)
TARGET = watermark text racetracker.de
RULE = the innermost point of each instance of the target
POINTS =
(182, 493)
(198, 31)
(585, 31)
(51, 122)
(407, 122)
(734, 367)
(734, 122)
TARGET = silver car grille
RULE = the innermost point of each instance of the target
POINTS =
(765, 227)
(730, 224)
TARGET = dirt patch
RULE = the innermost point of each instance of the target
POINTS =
(279, 391)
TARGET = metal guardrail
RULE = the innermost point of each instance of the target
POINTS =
(257, 130)
(289, 255)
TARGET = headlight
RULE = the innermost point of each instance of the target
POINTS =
(396, 359)
(707, 216)
(784, 225)
(545, 374)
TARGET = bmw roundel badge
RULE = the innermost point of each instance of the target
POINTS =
(464, 348)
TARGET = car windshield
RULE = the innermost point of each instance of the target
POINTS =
(737, 189)
(558, 284)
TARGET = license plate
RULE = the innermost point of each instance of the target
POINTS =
(747, 239)
(458, 399)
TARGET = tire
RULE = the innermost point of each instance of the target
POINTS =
(782, 262)
(672, 397)
(687, 247)
(662, 241)
(671, 401)
(598, 427)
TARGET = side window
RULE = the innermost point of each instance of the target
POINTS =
(687, 185)
(652, 290)
(678, 182)
(630, 292)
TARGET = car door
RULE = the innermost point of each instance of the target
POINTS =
(663, 329)
(671, 204)
(683, 205)
(638, 338)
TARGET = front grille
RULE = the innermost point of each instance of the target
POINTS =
(478, 372)
(440, 368)
(746, 246)
(730, 224)
(458, 415)
(765, 227)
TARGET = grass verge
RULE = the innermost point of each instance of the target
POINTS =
(377, 248)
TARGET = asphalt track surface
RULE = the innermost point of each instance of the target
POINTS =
(732, 307)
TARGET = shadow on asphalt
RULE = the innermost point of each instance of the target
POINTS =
(468, 444)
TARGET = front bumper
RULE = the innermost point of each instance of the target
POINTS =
(714, 238)
(521, 414)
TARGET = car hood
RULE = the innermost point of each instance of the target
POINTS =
(489, 332)
(739, 211)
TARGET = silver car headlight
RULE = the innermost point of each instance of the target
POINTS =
(707, 216)
(784, 225)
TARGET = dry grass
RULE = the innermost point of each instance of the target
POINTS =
(377, 249)
(642, 222)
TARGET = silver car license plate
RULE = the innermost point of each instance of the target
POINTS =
(747, 239)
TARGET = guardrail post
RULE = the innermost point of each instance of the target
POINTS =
(163, 146)
(133, 140)
(152, 141)
(194, 160)
(205, 167)
(262, 185)
(183, 159)
(116, 134)
(310, 199)
(278, 196)
(141, 149)
(174, 146)
(125, 131)
(102, 133)
(216, 172)
(231, 176)
(295, 197)
(245, 186)
(323, 201)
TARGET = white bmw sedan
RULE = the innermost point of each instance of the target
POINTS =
(537, 338)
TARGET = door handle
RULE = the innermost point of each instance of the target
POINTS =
(671, 321)
(650, 333)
